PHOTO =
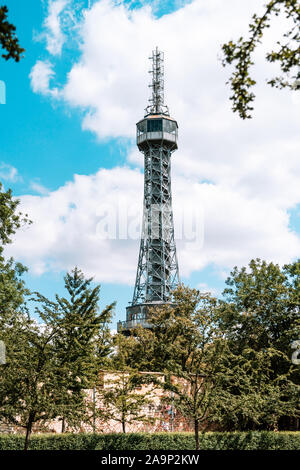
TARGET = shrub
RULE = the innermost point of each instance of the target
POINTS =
(255, 440)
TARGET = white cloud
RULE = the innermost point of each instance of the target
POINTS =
(252, 167)
(204, 288)
(54, 35)
(8, 172)
(65, 230)
(39, 188)
(40, 77)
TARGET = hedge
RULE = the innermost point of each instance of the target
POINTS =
(255, 440)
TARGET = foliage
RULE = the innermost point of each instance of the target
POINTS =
(12, 287)
(232, 358)
(51, 365)
(207, 441)
(81, 343)
(13, 291)
(287, 55)
(121, 394)
(14, 320)
(156, 441)
(122, 401)
(185, 343)
(261, 306)
(259, 316)
(8, 38)
(27, 394)
(10, 220)
(250, 397)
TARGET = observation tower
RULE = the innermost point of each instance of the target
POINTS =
(157, 270)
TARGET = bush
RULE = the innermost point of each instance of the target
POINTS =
(50, 441)
(255, 440)
(208, 441)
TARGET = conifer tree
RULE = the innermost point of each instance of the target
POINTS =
(52, 364)
(82, 344)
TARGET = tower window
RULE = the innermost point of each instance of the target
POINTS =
(154, 125)
(141, 127)
(170, 126)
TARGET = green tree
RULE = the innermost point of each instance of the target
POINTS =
(12, 287)
(14, 319)
(10, 219)
(51, 365)
(228, 362)
(187, 347)
(287, 55)
(121, 399)
(13, 291)
(261, 307)
(259, 316)
(82, 343)
(8, 38)
(250, 396)
(27, 395)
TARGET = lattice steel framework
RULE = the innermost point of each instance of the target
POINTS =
(157, 271)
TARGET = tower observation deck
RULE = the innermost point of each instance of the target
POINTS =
(157, 271)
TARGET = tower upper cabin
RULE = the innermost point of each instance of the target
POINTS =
(157, 125)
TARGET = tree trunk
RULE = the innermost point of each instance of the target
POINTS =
(63, 425)
(123, 426)
(28, 432)
(197, 433)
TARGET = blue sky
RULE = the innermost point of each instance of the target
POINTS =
(44, 141)
(243, 175)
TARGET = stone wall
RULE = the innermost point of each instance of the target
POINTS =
(163, 415)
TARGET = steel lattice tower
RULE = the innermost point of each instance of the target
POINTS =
(157, 271)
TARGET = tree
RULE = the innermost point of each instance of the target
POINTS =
(187, 346)
(228, 362)
(287, 55)
(250, 396)
(26, 385)
(52, 364)
(8, 38)
(12, 287)
(13, 291)
(81, 344)
(261, 307)
(10, 219)
(17, 331)
(259, 317)
(122, 399)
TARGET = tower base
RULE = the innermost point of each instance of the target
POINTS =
(137, 315)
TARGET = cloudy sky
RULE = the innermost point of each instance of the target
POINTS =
(68, 141)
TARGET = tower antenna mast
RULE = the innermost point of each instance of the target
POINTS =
(157, 105)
